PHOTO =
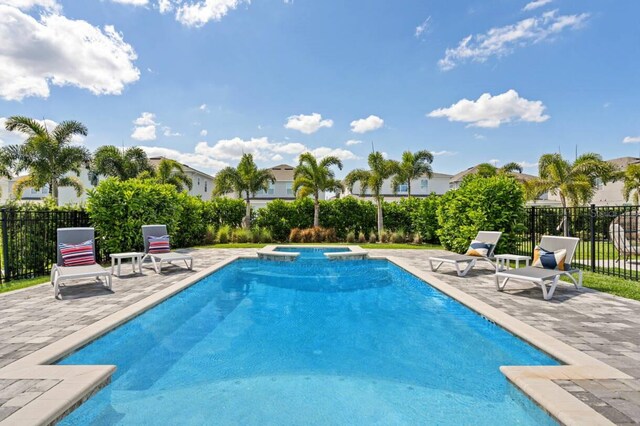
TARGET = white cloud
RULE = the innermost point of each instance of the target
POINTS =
(343, 154)
(503, 40)
(527, 165)
(277, 157)
(352, 142)
(60, 51)
(195, 160)
(145, 129)
(132, 2)
(307, 124)
(536, 4)
(17, 137)
(492, 111)
(443, 153)
(203, 133)
(494, 161)
(197, 14)
(479, 136)
(48, 5)
(203, 107)
(420, 29)
(631, 139)
(145, 119)
(165, 6)
(368, 124)
(144, 133)
(166, 130)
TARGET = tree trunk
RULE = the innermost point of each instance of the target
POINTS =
(54, 190)
(380, 224)
(246, 223)
(316, 211)
(565, 216)
(408, 187)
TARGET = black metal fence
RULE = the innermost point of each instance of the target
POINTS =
(29, 240)
(609, 236)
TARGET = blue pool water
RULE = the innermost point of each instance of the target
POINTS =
(309, 342)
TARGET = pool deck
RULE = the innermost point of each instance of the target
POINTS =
(603, 326)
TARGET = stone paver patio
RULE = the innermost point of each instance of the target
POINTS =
(603, 326)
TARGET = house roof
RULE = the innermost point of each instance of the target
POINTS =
(459, 176)
(188, 169)
(623, 162)
(283, 172)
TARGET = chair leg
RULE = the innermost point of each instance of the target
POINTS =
(466, 269)
(56, 287)
(501, 285)
(437, 266)
(549, 294)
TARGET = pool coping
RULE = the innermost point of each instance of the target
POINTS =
(270, 253)
(78, 382)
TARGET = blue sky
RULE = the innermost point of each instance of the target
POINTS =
(204, 81)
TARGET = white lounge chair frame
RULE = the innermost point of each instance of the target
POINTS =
(158, 258)
(60, 273)
(543, 277)
(489, 237)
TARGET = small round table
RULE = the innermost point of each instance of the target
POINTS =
(136, 260)
(502, 261)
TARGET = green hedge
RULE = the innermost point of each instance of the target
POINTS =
(495, 204)
(118, 209)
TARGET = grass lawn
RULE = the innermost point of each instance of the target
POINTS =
(614, 285)
(18, 284)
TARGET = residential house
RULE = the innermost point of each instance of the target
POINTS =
(202, 183)
(282, 188)
(421, 187)
(610, 194)
(456, 180)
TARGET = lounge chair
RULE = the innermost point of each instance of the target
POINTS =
(75, 259)
(457, 260)
(541, 276)
(158, 232)
(621, 243)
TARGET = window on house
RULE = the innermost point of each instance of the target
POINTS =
(290, 189)
(403, 188)
(424, 184)
(45, 189)
(599, 184)
(198, 181)
(205, 186)
(269, 191)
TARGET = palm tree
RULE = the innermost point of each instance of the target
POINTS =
(246, 179)
(311, 177)
(169, 172)
(412, 166)
(48, 155)
(489, 170)
(380, 170)
(575, 183)
(631, 178)
(124, 164)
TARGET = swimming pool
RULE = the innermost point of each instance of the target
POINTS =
(309, 342)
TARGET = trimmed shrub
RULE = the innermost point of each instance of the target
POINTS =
(482, 204)
(119, 209)
(224, 234)
(362, 238)
(210, 235)
(351, 237)
(348, 214)
(221, 211)
(424, 219)
(240, 235)
(191, 227)
(372, 238)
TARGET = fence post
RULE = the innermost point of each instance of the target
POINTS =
(5, 246)
(532, 229)
(592, 231)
